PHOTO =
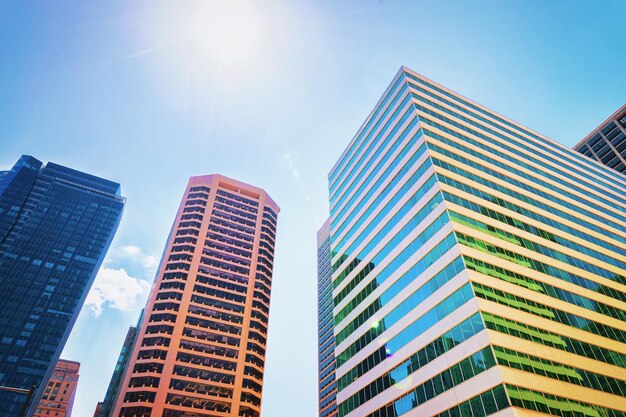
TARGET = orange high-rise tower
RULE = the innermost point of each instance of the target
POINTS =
(200, 348)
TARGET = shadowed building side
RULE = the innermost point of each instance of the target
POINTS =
(104, 408)
(607, 143)
(327, 388)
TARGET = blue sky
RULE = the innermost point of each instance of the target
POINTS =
(147, 93)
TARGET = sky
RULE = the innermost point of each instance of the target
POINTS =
(150, 92)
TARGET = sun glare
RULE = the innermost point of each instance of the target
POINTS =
(226, 31)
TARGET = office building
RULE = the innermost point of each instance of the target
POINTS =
(607, 143)
(200, 347)
(327, 387)
(104, 407)
(478, 267)
(56, 225)
(98, 409)
(58, 396)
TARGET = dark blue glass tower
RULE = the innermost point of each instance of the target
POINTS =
(56, 225)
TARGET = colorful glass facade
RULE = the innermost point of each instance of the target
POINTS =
(200, 346)
(56, 225)
(327, 387)
(607, 143)
(478, 267)
(58, 397)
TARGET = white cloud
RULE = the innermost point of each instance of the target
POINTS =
(133, 259)
(123, 282)
(149, 261)
(131, 250)
(114, 288)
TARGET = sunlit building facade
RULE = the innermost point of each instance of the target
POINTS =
(56, 225)
(607, 143)
(327, 387)
(59, 394)
(200, 346)
(478, 267)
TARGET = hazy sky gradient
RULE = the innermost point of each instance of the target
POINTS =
(123, 90)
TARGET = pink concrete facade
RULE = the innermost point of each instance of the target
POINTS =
(58, 397)
(200, 348)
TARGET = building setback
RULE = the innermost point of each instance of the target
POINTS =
(56, 225)
(58, 397)
(607, 143)
(327, 387)
(200, 348)
(478, 267)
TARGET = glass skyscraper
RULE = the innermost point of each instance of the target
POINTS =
(104, 407)
(478, 266)
(56, 225)
(327, 387)
(607, 143)
(200, 346)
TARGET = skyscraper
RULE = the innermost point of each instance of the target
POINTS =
(104, 407)
(56, 225)
(607, 143)
(200, 348)
(327, 387)
(98, 409)
(58, 397)
(478, 266)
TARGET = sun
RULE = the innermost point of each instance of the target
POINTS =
(226, 31)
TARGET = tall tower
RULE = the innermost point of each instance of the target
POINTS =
(104, 407)
(607, 143)
(200, 347)
(58, 397)
(478, 267)
(327, 387)
(56, 225)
